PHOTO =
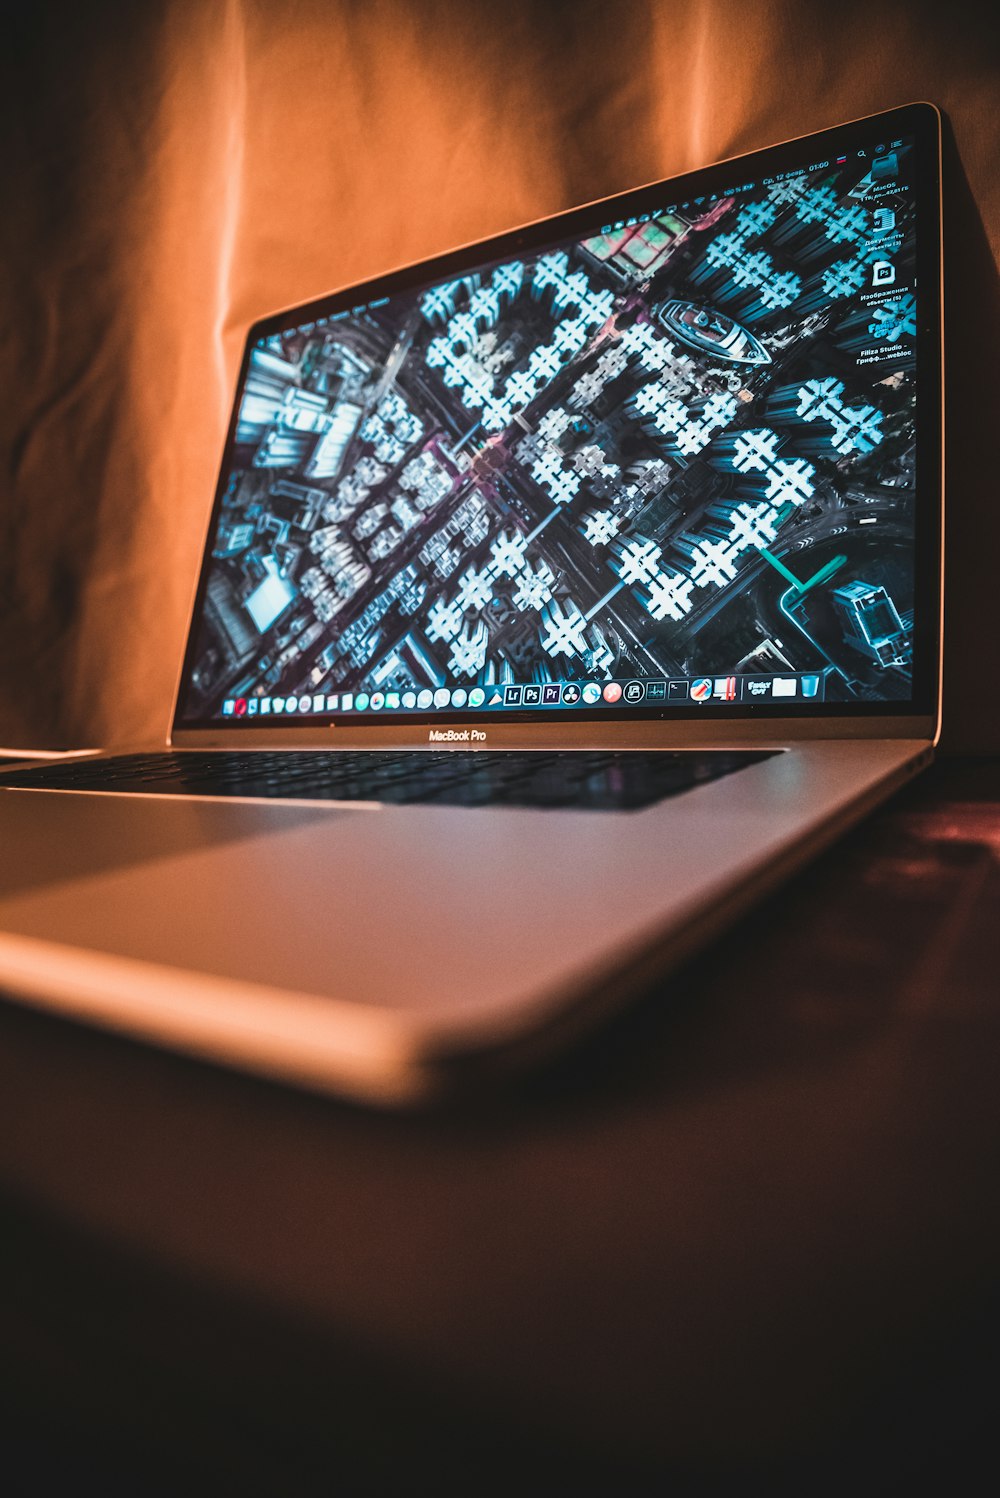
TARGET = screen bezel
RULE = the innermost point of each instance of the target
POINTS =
(733, 723)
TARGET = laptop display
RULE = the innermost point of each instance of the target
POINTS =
(657, 457)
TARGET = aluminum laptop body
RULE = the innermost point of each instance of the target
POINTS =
(655, 479)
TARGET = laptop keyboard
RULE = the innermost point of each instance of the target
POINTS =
(588, 780)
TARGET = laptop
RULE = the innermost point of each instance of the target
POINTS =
(560, 596)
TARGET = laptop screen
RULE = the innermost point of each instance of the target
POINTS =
(660, 456)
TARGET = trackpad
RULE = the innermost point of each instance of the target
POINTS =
(51, 838)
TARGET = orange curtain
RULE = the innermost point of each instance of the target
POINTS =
(174, 170)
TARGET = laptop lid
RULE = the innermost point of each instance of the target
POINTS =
(662, 469)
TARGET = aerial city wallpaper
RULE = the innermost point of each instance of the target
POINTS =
(670, 464)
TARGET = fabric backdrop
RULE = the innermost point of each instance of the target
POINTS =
(174, 169)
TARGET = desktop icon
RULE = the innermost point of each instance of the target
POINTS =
(227, 708)
(319, 702)
(442, 697)
(409, 700)
(512, 696)
(253, 707)
(532, 696)
(551, 693)
(809, 685)
(677, 691)
(612, 691)
(331, 702)
(634, 691)
(656, 690)
(591, 692)
(361, 701)
(377, 701)
(392, 699)
(701, 689)
(265, 704)
(883, 273)
(571, 693)
(784, 686)
(477, 697)
(425, 698)
(347, 701)
(240, 707)
(885, 220)
(725, 688)
(305, 704)
(459, 697)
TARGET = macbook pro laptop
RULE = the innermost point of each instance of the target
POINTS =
(560, 595)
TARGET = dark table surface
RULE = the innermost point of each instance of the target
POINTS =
(744, 1238)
